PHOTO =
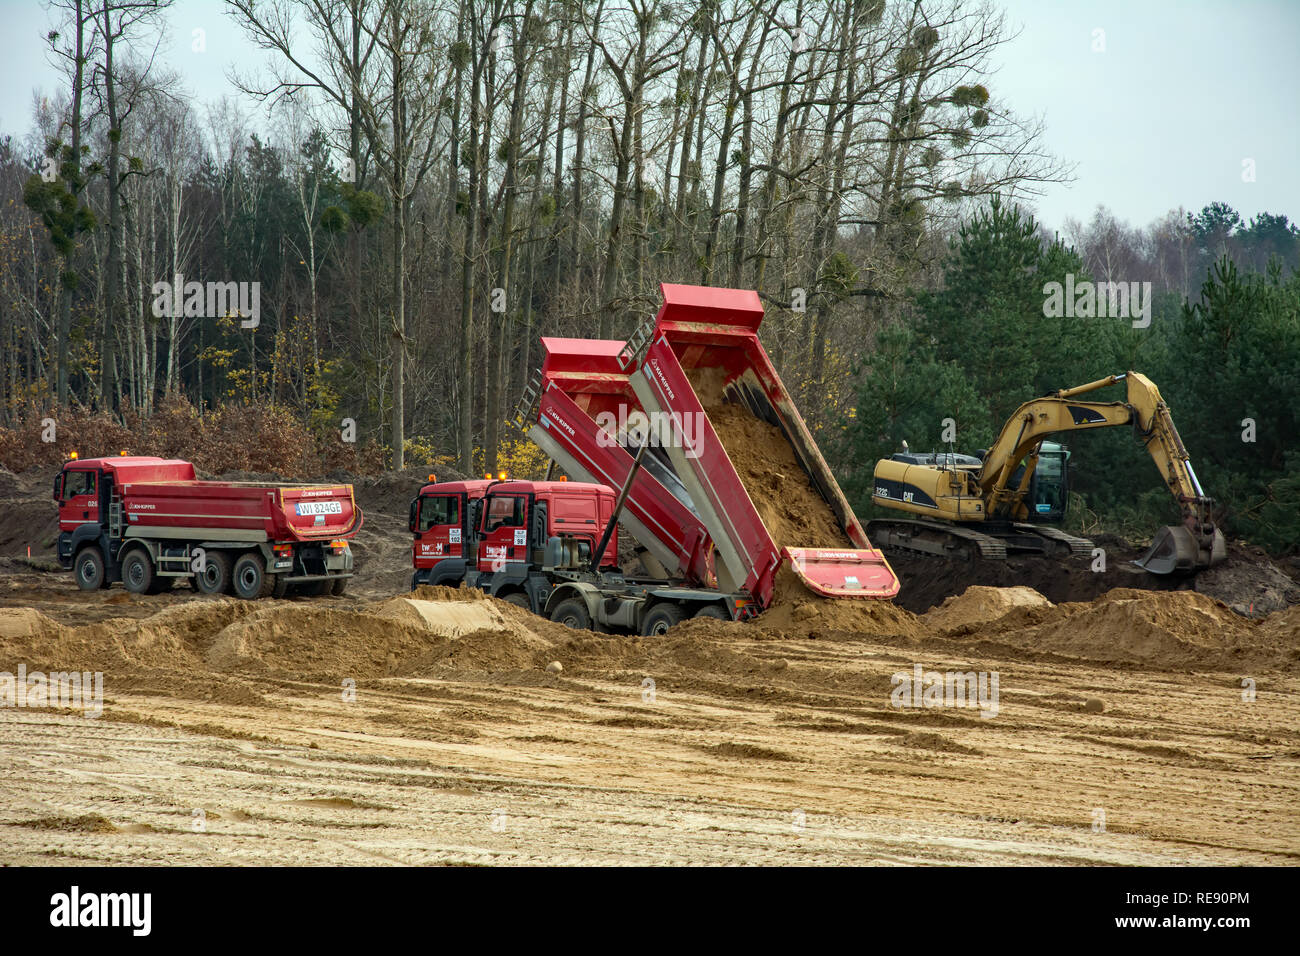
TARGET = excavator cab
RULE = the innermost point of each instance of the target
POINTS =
(1049, 488)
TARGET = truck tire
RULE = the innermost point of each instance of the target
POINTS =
(519, 599)
(249, 577)
(713, 610)
(89, 569)
(137, 572)
(339, 586)
(572, 613)
(660, 618)
(215, 576)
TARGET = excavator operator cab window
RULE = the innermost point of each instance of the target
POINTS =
(505, 511)
(1048, 493)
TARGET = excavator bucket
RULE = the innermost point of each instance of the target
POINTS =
(858, 573)
(1178, 550)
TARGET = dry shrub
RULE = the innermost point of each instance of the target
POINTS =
(234, 437)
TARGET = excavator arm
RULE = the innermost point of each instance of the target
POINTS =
(1196, 544)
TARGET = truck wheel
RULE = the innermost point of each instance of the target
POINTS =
(249, 577)
(572, 613)
(713, 610)
(89, 568)
(660, 619)
(338, 586)
(519, 599)
(137, 572)
(215, 576)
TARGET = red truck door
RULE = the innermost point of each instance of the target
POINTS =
(439, 530)
(504, 539)
(80, 499)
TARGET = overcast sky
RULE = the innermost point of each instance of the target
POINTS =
(1182, 94)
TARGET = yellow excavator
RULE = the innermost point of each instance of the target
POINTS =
(985, 506)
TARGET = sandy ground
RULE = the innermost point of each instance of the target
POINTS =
(754, 748)
(226, 737)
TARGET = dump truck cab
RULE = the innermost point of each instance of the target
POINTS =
(84, 489)
(503, 536)
(441, 521)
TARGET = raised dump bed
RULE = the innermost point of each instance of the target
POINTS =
(711, 335)
(579, 418)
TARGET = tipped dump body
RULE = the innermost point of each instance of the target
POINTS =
(713, 332)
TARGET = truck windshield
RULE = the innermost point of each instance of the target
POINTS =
(504, 511)
(439, 510)
(78, 483)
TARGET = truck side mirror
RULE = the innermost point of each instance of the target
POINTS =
(58, 487)
(415, 514)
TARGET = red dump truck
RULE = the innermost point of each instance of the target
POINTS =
(148, 522)
(705, 546)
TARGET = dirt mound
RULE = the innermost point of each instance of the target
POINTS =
(926, 582)
(436, 629)
(392, 491)
(1249, 582)
(1174, 631)
(1282, 628)
(798, 612)
(173, 638)
(980, 605)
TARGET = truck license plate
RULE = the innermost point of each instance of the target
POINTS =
(318, 508)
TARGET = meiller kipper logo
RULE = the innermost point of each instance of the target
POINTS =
(558, 420)
(659, 374)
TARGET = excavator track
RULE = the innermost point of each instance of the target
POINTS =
(935, 538)
(945, 540)
(1081, 547)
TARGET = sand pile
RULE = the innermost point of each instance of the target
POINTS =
(1282, 628)
(1162, 630)
(173, 638)
(431, 631)
(436, 630)
(979, 605)
(798, 612)
(795, 515)
(794, 512)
